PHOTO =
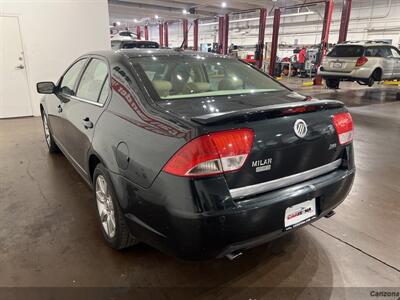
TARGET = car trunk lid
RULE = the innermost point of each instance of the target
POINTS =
(279, 149)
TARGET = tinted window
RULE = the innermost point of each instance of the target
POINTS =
(372, 52)
(69, 79)
(125, 33)
(187, 77)
(93, 80)
(131, 45)
(347, 51)
(377, 52)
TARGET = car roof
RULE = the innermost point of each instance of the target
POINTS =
(364, 43)
(146, 52)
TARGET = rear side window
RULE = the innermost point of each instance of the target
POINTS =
(94, 85)
(378, 52)
(68, 81)
(395, 53)
(347, 51)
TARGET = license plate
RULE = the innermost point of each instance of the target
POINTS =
(337, 65)
(299, 214)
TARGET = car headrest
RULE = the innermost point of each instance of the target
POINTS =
(162, 87)
(199, 87)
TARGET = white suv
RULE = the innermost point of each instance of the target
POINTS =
(364, 62)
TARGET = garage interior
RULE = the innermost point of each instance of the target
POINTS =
(49, 235)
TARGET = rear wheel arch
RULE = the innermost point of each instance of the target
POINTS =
(94, 160)
(377, 74)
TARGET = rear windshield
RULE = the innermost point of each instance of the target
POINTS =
(347, 51)
(175, 77)
(131, 45)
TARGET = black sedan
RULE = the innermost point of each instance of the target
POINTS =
(198, 155)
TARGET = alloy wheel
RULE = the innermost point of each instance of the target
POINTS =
(46, 130)
(105, 206)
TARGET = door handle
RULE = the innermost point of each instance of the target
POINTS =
(20, 67)
(87, 123)
(59, 108)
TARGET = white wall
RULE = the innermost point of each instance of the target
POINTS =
(377, 19)
(56, 32)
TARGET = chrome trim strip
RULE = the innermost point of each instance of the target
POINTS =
(87, 101)
(284, 181)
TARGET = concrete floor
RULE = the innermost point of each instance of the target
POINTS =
(49, 236)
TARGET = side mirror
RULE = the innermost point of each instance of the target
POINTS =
(45, 87)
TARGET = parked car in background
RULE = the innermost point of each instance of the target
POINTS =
(128, 44)
(124, 35)
(363, 62)
(198, 155)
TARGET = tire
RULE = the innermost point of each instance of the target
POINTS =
(51, 144)
(109, 212)
(375, 76)
(332, 83)
(370, 82)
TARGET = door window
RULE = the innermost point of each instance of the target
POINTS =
(68, 81)
(395, 53)
(94, 85)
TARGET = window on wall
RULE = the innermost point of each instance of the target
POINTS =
(94, 85)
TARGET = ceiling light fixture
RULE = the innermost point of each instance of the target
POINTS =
(306, 13)
(118, 23)
(156, 16)
(184, 11)
(135, 20)
(223, 4)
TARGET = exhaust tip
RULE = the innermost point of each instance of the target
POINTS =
(330, 214)
(233, 255)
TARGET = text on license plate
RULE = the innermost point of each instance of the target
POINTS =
(337, 65)
(299, 214)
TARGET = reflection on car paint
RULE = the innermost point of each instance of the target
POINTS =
(149, 122)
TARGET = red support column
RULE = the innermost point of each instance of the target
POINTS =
(196, 35)
(274, 44)
(185, 25)
(344, 22)
(220, 33)
(225, 44)
(161, 34)
(166, 34)
(261, 35)
(138, 32)
(146, 32)
(324, 37)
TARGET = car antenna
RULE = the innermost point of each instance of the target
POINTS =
(184, 40)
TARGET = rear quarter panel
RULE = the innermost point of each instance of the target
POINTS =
(131, 137)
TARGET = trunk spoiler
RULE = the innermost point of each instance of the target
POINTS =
(269, 111)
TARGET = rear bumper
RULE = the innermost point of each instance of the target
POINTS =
(356, 74)
(167, 219)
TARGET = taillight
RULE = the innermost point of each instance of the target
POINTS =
(211, 154)
(361, 61)
(343, 123)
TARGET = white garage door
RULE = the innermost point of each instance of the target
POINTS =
(14, 92)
